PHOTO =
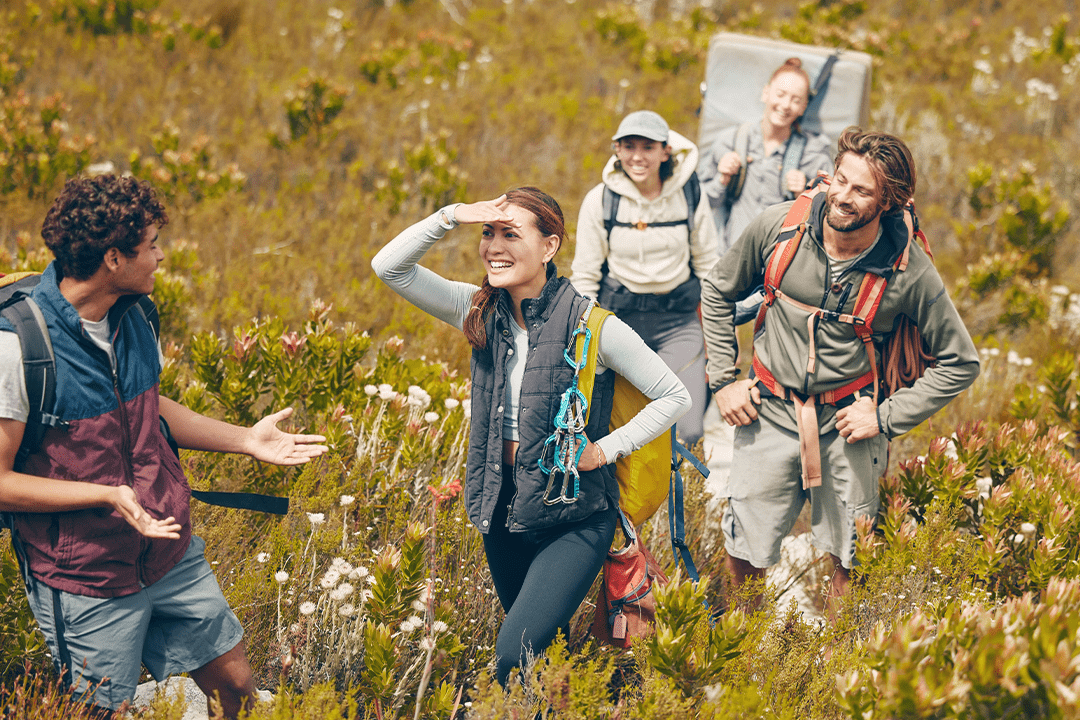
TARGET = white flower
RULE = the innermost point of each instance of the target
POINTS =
(418, 606)
(330, 579)
(431, 417)
(342, 566)
(306, 608)
(341, 592)
(427, 644)
(1027, 362)
(281, 577)
(366, 595)
(370, 390)
(1028, 529)
(410, 624)
(347, 610)
(335, 13)
(387, 392)
(262, 557)
(358, 573)
(450, 403)
(984, 485)
(316, 519)
(371, 580)
(347, 500)
(439, 627)
(1018, 539)
(466, 407)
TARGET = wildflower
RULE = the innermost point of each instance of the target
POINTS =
(418, 606)
(439, 627)
(292, 343)
(262, 557)
(341, 592)
(347, 610)
(466, 407)
(446, 491)
(370, 390)
(371, 580)
(330, 579)
(431, 417)
(427, 644)
(395, 345)
(358, 573)
(316, 519)
(335, 13)
(450, 403)
(306, 608)
(984, 485)
(1028, 529)
(1018, 539)
(281, 577)
(410, 624)
(387, 392)
(342, 566)
(347, 500)
(366, 595)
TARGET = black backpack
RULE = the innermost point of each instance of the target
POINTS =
(39, 369)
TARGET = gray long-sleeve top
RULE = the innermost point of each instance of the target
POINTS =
(620, 348)
(782, 345)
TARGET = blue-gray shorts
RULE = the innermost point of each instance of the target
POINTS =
(178, 624)
(766, 493)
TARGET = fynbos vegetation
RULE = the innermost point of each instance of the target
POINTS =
(294, 139)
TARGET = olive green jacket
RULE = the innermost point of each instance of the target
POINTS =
(783, 343)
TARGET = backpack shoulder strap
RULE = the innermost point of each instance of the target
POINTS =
(39, 371)
(676, 521)
(791, 233)
(610, 208)
(149, 311)
(692, 191)
(587, 376)
(793, 153)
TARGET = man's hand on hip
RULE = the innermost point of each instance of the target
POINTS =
(858, 421)
(736, 402)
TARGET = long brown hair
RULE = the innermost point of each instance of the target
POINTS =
(548, 218)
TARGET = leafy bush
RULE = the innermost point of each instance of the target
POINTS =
(36, 150)
(190, 174)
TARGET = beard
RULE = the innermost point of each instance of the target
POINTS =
(849, 223)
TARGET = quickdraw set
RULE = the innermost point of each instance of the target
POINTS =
(566, 444)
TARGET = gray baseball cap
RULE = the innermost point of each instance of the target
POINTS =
(644, 123)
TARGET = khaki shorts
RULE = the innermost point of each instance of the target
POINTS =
(178, 624)
(766, 493)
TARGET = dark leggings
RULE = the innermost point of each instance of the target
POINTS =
(541, 578)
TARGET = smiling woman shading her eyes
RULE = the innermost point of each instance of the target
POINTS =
(543, 557)
(644, 243)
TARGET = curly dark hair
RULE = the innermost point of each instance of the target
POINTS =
(93, 214)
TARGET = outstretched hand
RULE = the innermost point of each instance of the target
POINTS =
(485, 211)
(129, 508)
(267, 442)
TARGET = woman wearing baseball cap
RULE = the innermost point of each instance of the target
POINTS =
(644, 240)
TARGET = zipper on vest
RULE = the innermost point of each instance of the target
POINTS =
(129, 475)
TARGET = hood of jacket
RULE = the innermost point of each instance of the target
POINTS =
(685, 154)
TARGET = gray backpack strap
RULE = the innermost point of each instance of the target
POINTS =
(742, 147)
(793, 153)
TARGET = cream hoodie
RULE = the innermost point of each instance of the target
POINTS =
(654, 260)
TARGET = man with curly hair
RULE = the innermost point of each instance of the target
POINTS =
(101, 519)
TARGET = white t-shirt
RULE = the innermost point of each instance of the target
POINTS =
(14, 403)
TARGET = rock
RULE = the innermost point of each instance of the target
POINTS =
(193, 696)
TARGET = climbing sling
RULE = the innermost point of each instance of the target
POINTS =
(906, 357)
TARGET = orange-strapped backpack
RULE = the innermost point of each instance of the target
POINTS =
(905, 355)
